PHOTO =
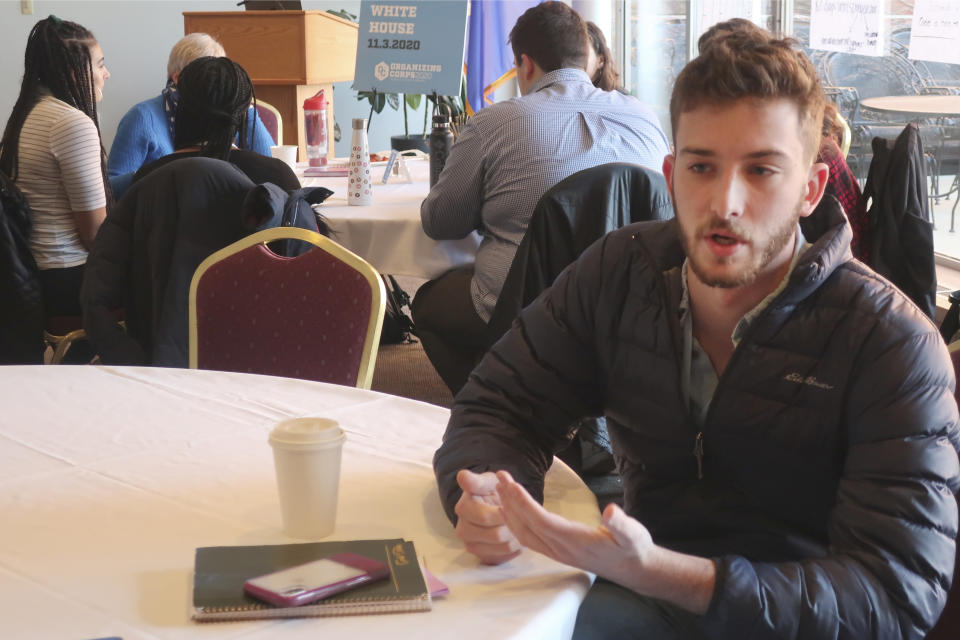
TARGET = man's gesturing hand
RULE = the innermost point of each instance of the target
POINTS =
(620, 550)
(479, 522)
(605, 550)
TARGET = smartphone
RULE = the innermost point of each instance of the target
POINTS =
(315, 580)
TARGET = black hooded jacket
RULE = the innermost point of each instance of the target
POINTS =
(148, 248)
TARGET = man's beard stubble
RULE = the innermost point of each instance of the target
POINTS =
(749, 274)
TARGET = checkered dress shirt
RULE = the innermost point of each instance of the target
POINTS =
(510, 153)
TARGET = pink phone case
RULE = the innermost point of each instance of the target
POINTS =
(292, 588)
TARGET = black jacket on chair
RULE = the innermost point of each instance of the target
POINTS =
(21, 300)
(150, 245)
(901, 233)
(568, 218)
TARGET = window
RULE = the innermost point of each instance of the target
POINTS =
(655, 33)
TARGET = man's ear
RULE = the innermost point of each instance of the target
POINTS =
(668, 163)
(817, 178)
(524, 66)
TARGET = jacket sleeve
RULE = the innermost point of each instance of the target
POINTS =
(452, 209)
(520, 404)
(104, 286)
(132, 143)
(892, 530)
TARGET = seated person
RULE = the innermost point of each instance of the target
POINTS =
(783, 420)
(842, 184)
(601, 67)
(504, 159)
(214, 97)
(51, 149)
(145, 133)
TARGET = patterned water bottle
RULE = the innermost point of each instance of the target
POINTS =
(358, 181)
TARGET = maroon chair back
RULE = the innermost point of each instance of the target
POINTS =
(270, 120)
(948, 626)
(304, 317)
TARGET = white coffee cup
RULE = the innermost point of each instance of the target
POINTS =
(306, 454)
(287, 153)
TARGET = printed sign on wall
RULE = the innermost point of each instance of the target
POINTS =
(710, 13)
(411, 47)
(848, 26)
(935, 31)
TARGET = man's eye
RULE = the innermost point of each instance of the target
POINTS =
(761, 171)
(699, 168)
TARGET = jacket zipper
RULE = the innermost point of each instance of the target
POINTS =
(698, 441)
(698, 454)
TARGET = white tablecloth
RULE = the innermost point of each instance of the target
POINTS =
(388, 233)
(111, 477)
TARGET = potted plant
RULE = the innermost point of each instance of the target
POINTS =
(453, 104)
(403, 142)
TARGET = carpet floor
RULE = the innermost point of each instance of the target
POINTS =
(404, 370)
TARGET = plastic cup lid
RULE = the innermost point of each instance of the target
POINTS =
(307, 431)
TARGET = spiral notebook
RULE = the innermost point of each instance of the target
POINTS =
(219, 574)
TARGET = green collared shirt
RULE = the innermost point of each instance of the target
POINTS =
(699, 381)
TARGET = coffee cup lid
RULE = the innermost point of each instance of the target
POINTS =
(307, 431)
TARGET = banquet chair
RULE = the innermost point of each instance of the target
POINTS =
(60, 333)
(270, 116)
(316, 316)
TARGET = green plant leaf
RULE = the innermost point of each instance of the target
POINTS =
(343, 13)
(413, 100)
(393, 100)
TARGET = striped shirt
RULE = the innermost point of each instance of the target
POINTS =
(58, 170)
(510, 153)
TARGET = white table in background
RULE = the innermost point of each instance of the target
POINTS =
(917, 106)
(388, 233)
(110, 477)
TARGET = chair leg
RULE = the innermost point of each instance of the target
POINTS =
(62, 344)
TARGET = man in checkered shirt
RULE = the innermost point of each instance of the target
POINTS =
(505, 158)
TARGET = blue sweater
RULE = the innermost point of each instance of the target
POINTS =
(143, 136)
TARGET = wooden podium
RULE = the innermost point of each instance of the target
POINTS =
(290, 55)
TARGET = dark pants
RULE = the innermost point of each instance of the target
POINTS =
(452, 333)
(611, 611)
(61, 290)
(61, 297)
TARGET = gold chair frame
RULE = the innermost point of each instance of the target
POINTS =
(371, 343)
(62, 344)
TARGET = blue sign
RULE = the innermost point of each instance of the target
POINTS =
(411, 47)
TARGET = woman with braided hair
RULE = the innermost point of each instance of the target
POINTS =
(214, 103)
(145, 133)
(52, 150)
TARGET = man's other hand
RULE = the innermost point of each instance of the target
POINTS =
(480, 523)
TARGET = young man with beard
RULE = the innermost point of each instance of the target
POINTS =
(782, 417)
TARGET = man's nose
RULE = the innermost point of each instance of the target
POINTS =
(729, 195)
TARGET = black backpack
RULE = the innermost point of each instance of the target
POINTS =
(397, 325)
(21, 299)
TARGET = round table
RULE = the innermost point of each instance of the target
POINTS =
(920, 106)
(110, 477)
(388, 233)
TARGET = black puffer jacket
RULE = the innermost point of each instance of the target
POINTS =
(829, 449)
(153, 240)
